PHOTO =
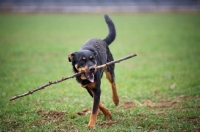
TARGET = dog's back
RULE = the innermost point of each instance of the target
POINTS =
(101, 46)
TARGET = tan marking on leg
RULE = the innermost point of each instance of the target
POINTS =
(115, 95)
(105, 111)
(114, 89)
(99, 111)
(93, 120)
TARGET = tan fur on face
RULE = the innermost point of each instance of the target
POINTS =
(82, 69)
(70, 57)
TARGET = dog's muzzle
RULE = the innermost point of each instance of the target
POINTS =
(90, 75)
(92, 69)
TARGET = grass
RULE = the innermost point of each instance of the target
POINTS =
(159, 89)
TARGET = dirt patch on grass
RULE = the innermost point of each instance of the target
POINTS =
(162, 104)
(193, 120)
(9, 122)
(83, 112)
(56, 117)
(197, 129)
(159, 104)
(51, 116)
(128, 105)
(109, 123)
(149, 103)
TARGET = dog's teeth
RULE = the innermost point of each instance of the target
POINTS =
(90, 77)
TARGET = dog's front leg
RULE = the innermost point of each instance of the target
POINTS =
(96, 99)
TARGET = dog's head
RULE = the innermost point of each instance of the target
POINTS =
(84, 60)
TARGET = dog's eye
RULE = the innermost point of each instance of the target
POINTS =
(91, 58)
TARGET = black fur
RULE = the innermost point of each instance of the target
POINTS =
(112, 32)
(94, 52)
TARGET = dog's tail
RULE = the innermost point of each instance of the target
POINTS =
(112, 32)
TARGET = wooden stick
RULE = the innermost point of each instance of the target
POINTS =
(66, 78)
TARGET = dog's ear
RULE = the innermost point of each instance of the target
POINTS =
(71, 57)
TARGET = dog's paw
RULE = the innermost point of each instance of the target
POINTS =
(108, 116)
(91, 126)
(116, 100)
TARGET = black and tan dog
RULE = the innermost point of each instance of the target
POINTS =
(96, 52)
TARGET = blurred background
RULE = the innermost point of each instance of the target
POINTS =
(98, 5)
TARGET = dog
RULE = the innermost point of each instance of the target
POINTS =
(92, 53)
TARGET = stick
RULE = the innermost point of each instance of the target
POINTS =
(66, 78)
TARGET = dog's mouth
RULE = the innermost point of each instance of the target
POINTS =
(89, 76)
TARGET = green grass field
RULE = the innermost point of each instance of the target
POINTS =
(159, 89)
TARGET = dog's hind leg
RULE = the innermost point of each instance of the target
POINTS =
(105, 111)
(109, 70)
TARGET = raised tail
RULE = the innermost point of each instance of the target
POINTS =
(112, 32)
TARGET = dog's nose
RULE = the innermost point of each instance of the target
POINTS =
(91, 68)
